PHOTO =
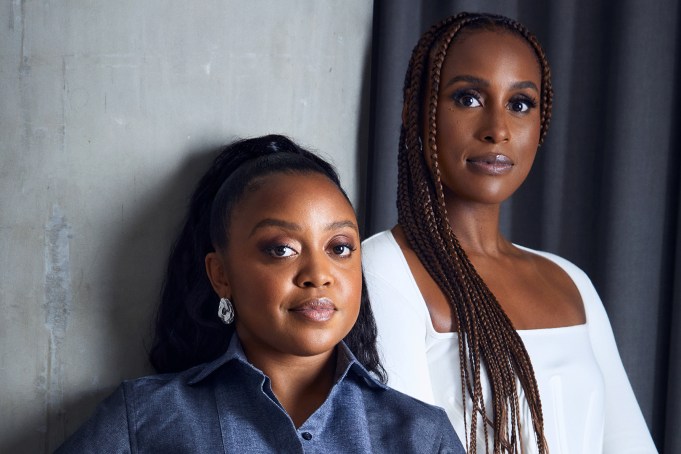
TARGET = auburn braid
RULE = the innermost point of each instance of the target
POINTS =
(487, 338)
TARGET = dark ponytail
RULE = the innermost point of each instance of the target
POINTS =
(188, 331)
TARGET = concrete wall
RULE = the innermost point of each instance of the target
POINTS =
(109, 111)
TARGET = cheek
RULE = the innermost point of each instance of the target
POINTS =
(252, 287)
(532, 132)
(352, 288)
(530, 146)
(532, 137)
(452, 133)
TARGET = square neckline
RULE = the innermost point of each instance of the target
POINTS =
(432, 332)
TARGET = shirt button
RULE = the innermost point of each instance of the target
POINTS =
(307, 436)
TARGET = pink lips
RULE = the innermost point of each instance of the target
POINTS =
(318, 310)
(491, 164)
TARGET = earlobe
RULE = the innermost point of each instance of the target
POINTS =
(217, 275)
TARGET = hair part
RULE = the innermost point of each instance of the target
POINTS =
(188, 331)
(247, 179)
(487, 338)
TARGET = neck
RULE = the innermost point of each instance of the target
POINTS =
(476, 226)
(301, 384)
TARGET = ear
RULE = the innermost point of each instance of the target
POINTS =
(215, 268)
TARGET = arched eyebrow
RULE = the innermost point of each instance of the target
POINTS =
(269, 222)
(470, 79)
(483, 83)
(292, 226)
(525, 84)
(342, 224)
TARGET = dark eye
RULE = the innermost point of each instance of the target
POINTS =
(280, 251)
(518, 106)
(521, 105)
(342, 250)
(469, 101)
(466, 98)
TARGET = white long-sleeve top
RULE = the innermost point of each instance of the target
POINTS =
(588, 404)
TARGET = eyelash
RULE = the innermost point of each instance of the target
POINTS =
(530, 101)
(348, 246)
(272, 250)
(459, 95)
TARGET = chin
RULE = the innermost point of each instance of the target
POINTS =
(482, 198)
(314, 345)
(487, 195)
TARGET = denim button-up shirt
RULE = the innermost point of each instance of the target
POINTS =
(228, 406)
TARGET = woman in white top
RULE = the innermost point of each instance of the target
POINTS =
(513, 343)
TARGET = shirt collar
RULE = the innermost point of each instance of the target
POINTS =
(346, 362)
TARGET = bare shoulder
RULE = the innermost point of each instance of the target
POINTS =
(552, 294)
(534, 291)
(552, 272)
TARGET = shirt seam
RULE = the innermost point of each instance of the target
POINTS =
(130, 411)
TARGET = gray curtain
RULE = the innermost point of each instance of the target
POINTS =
(604, 192)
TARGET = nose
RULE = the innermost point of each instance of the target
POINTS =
(494, 127)
(315, 271)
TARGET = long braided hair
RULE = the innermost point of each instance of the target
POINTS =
(487, 338)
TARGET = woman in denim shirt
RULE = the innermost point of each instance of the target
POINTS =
(294, 366)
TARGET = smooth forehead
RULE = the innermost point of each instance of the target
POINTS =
(491, 45)
(294, 193)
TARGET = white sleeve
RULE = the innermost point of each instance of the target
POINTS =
(625, 429)
(400, 322)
